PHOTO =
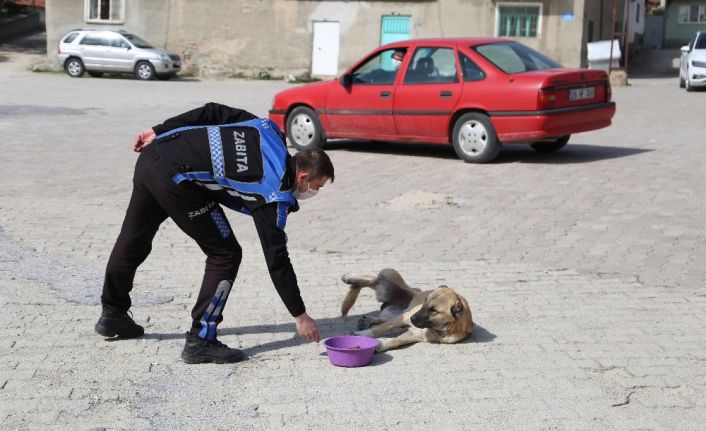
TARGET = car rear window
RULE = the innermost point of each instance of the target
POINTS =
(470, 70)
(70, 37)
(512, 57)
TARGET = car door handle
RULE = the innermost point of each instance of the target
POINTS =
(445, 93)
(385, 94)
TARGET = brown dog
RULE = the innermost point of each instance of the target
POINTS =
(436, 316)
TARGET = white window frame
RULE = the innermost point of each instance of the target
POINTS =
(540, 17)
(701, 13)
(87, 9)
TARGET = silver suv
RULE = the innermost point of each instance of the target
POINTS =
(98, 51)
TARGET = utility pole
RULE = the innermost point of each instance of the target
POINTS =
(626, 44)
(612, 37)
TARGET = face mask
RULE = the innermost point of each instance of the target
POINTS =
(309, 193)
(396, 63)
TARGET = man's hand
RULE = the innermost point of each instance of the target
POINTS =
(306, 327)
(143, 140)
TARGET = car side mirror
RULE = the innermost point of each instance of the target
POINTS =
(346, 80)
(685, 49)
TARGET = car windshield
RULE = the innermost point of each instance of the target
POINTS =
(701, 42)
(139, 43)
(513, 57)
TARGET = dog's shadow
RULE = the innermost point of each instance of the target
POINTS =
(328, 327)
(480, 335)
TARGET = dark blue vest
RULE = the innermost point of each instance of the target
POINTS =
(265, 189)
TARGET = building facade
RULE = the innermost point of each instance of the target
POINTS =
(683, 18)
(323, 38)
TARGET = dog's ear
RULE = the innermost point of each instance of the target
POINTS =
(457, 309)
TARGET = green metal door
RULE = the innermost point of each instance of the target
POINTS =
(394, 28)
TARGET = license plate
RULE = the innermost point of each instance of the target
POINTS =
(582, 93)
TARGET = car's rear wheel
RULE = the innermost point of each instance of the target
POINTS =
(144, 70)
(551, 146)
(74, 67)
(304, 129)
(474, 138)
(95, 74)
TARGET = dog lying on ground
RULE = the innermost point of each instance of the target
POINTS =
(436, 316)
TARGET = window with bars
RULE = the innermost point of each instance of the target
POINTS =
(105, 10)
(692, 14)
(518, 20)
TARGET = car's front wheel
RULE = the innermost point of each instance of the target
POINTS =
(682, 81)
(474, 138)
(74, 67)
(687, 83)
(304, 129)
(551, 146)
(144, 70)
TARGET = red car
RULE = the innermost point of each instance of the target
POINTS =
(475, 93)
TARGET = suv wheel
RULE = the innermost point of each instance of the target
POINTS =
(144, 70)
(74, 67)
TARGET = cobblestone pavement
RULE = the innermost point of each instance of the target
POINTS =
(584, 269)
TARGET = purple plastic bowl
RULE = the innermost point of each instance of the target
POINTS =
(350, 350)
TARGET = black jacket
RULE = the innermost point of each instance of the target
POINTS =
(188, 153)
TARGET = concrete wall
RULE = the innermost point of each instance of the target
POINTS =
(676, 34)
(228, 37)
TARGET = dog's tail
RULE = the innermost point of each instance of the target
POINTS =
(356, 283)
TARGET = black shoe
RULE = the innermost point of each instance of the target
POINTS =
(117, 322)
(200, 351)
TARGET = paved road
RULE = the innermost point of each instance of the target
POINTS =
(585, 271)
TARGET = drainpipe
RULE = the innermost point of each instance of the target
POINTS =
(612, 37)
(627, 34)
(600, 23)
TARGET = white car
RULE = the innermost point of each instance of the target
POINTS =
(692, 66)
(98, 51)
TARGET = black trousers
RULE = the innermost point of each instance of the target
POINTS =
(154, 198)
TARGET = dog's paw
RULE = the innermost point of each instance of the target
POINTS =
(363, 323)
(365, 333)
(383, 345)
